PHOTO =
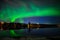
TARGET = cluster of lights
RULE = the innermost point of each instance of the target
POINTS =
(4, 25)
(19, 25)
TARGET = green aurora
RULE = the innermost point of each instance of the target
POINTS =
(11, 13)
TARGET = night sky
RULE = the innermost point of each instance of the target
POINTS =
(34, 11)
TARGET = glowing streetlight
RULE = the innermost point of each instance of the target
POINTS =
(2, 22)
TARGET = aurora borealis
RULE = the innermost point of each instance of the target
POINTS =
(10, 10)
